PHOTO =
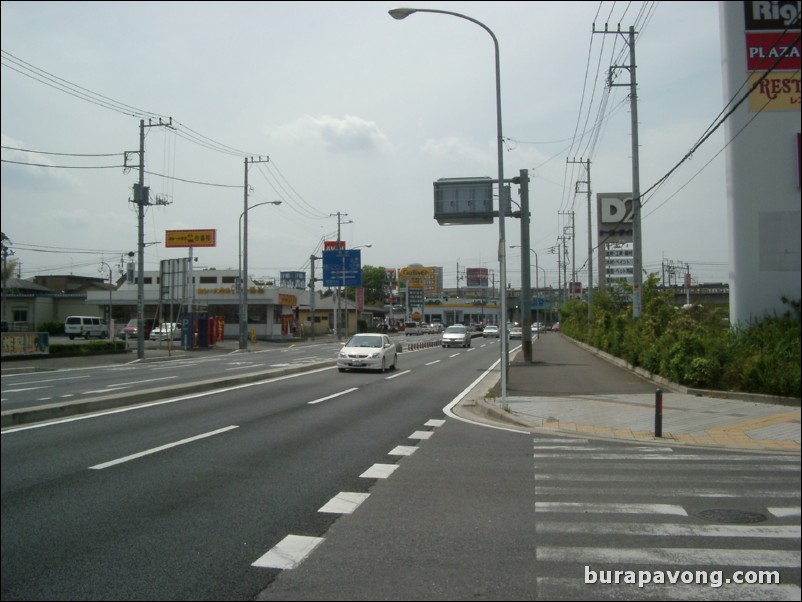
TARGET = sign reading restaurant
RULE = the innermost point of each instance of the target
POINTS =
(190, 238)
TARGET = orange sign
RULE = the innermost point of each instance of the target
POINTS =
(190, 238)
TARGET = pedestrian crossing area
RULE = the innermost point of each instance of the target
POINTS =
(616, 521)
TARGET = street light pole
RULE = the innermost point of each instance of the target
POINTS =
(402, 13)
(243, 271)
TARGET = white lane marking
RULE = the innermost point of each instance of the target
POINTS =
(152, 404)
(351, 390)
(154, 450)
(402, 450)
(781, 512)
(48, 380)
(379, 471)
(434, 362)
(27, 389)
(669, 556)
(421, 435)
(454, 355)
(435, 422)
(672, 529)
(139, 382)
(610, 508)
(289, 552)
(399, 374)
(344, 502)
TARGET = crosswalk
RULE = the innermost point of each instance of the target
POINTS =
(660, 523)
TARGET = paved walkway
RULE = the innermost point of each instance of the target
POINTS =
(748, 422)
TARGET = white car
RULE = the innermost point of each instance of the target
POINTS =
(168, 330)
(456, 336)
(368, 352)
(491, 330)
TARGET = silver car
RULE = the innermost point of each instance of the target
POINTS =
(457, 336)
(367, 352)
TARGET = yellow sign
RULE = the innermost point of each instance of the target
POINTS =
(190, 238)
(779, 91)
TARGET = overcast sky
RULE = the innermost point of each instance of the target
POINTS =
(358, 113)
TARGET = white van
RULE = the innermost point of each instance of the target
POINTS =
(412, 328)
(85, 326)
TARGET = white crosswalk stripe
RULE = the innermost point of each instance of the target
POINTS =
(634, 523)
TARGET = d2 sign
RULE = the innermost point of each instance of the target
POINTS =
(615, 208)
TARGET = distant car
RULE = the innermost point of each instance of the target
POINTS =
(85, 326)
(168, 330)
(516, 332)
(490, 331)
(436, 327)
(368, 351)
(129, 331)
(411, 328)
(456, 336)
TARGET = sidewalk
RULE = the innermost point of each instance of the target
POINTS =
(745, 422)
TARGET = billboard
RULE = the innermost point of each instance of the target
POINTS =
(190, 238)
(477, 277)
(293, 279)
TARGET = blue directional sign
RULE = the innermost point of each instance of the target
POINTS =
(342, 267)
(538, 302)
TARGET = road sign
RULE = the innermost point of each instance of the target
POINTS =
(342, 267)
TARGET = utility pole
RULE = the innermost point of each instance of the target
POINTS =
(243, 319)
(342, 275)
(6, 252)
(637, 249)
(312, 299)
(526, 280)
(142, 200)
(590, 235)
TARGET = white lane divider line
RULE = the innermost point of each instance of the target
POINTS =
(333, 396)
(379, 471)
(421, 435)
(784, 512)
(154, 450)
(289, 552)
(610, 508)
(403, 450)
(344, 502)
(398, 374)
(435, 422)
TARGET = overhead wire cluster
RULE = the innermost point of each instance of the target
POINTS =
(269, 171)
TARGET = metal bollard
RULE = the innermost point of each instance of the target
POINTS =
(658, 413)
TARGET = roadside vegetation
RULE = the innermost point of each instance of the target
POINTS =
(694, 346)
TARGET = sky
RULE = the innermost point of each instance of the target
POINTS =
(349, 117)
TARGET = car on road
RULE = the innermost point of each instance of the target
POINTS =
(456, 336)
(368, 351)
(129, 331)
(412, 328)
(165, 331)
(491, 330)
(516, 332)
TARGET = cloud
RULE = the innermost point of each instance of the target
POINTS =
(455, 147)
(339, 135)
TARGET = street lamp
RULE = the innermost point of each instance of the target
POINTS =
(402, 13)
(342, 274)
(243, 275)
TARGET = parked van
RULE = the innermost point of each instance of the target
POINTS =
(85, 326)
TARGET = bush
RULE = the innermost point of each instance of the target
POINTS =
(55, 328)
(694, 346)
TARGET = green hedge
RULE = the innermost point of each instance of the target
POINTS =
(694, 346)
